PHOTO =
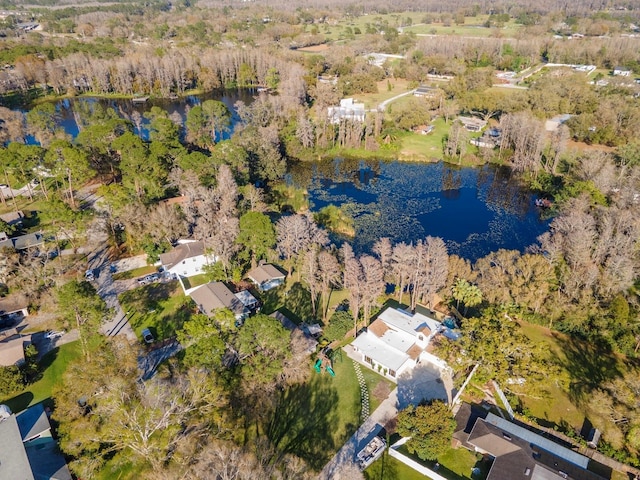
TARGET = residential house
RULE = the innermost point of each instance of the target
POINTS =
(397, 341)
(215, 295)
(12, 218)
(266, 277)
(12, 350)
(248, 300)
(472, 124)
(621, 72)
(187, 259)
(28, 451)
(22, 242)
(423, 129)
(425, 91)
(13, 308)
(348, 110)
(518, 453)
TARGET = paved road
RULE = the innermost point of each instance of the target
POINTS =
(383, 105)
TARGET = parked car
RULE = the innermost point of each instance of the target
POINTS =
(147, 336)
(51, 334)
(89, 275)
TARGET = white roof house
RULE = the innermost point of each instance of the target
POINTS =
(397, 341)
(348, 110)
(187, 259)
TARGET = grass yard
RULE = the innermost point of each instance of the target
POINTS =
(53, 365)
(161, 307)
(455, 464)
(195, 281)
(416, 147)
(135, 273)
(372, 100)
(469, 29)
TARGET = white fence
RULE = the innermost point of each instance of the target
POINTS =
(412, 463)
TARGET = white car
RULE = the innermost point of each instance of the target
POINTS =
(51, 334)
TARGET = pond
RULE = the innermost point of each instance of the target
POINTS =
(70, 110)
(475, 210)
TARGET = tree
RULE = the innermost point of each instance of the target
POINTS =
(81, 308)
(202, 338)
(206, 122)
(71, 165)
(11, 381)
(329, 273)
(296, 233)
(373, 283)
(467, 293)
(339, 324)
(42, 123)
(430, 427)
(354, 283)
(257, 236)
(262, 345)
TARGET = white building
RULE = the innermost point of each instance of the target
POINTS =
(621, 72)
(187, 259)
(348, 110)
(397, 341)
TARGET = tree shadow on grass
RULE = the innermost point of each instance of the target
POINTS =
(19, 402)
(383, 469)
(303, 421)
(298, 301)
(142, 300)
(590, 364)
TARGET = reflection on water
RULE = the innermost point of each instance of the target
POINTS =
(475, 210)
(75, 113)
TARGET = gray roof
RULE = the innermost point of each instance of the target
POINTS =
(14, 463)
(526, 457)
(33, 422)
(265, 273)
(182, 252)
(45, 459)
(13, 303)
(24, 241)
(12, 351)
(12, 218)
(216, 295)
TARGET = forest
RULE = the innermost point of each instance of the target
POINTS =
(219, 175)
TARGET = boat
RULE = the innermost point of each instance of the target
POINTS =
(371, 452)
(139, 99)
(543, 203)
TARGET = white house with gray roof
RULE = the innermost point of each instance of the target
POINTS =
(397, 341)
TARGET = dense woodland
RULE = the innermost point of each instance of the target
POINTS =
(198, 414)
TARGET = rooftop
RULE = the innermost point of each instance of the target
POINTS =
(182, 252)
(410, 323)
(14, 463)
(216, 295)
(264, 273)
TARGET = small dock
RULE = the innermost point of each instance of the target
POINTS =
(139, 99)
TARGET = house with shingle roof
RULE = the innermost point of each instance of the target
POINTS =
(397, 341)
(187, 259)
(519, 452)
(216, 295)
(28, 451)
(266, 277)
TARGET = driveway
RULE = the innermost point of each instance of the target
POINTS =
(369, 429)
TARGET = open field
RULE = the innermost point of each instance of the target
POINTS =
(372, 100)
(466, 30)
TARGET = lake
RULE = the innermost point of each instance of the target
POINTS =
(69, 109)
(475, 210)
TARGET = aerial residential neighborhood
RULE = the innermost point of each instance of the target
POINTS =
(319, 240)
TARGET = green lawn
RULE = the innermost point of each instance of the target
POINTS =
(418, 147)
(455, 464)
(53, 365)
(161, 307)
(195, 281)
(135, 273)
(372, 100)
(467, 30)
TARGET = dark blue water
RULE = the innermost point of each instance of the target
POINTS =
(475, 210)
(69, 109)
